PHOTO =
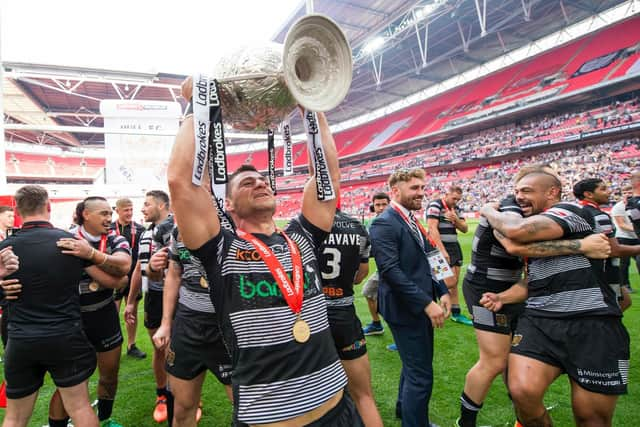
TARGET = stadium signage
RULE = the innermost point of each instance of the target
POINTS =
(324, 185)
(288, 149)
(201, 126)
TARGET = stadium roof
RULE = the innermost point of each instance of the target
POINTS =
(400, 47)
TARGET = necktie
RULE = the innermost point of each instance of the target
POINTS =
(414, 228)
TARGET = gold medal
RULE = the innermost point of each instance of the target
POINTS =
(94, 286)
(203, 282)
(301, 331)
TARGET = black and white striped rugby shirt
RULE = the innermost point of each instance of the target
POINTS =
(491, 265)
(448, 233)
(274, 377)
(569, 285)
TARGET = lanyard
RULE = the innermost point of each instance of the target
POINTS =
(103, 241)
(133, 233)
(444, 203)
(588, 203)
(420, 227)
(293, 292)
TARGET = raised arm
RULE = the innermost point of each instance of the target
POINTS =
(321, 213)
(193, 206)
(532, 229)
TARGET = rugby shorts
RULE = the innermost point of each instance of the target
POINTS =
(346, 330)
(152, 309)
(503, 321)
(370, 288)
(592, 351)
(103, 328)
(455, 254)
(69, 359)
(197, 346)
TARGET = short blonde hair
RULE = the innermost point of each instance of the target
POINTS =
(124, 202)
(405, 175)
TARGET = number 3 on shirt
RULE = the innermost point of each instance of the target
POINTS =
(333, 262)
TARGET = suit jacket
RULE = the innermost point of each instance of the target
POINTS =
(406, 285)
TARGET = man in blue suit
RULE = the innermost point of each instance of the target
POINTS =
(407, 292)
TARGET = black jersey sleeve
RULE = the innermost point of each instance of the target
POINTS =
(567, 216)
(509, 204)
(315, 234)
(434, 210)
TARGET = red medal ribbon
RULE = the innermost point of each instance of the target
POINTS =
(103, 241)
(588, 203)
(444, 203)
(133, 232)
(420, 227)
(293, 293)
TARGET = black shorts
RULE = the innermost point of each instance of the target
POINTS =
(593, 351)
(501, 322)
(344, 414)
(69, 359)
(346, 330)
(103, 328)
(152, 309)
(197, 345)
(123, 293)
(455, 254)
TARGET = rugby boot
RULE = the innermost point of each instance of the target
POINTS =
(462, 319)
(373, 329)
(160, 411)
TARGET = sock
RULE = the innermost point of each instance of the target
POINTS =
(376, 323)
(59, 423)
(162, 391)
(455, 309)
(468, 411)
(169, 396)
(105, 408)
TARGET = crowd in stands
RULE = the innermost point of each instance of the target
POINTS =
(611, 161)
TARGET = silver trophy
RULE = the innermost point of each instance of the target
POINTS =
(261, 85)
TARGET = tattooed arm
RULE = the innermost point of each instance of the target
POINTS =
(531, 229)
(596, 246)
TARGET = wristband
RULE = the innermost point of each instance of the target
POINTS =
(106, 257)
(93, 253)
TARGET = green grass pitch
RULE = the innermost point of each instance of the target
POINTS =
(455, 353)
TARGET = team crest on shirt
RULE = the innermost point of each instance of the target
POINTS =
(171, 357)
(516, 340)
(501, 320)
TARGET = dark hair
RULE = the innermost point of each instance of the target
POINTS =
(455, 189)
(80, 207)
(243, 168)
(5, 208)
(589, 184)
(160, 196)
(380, 195)
(31, 199)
